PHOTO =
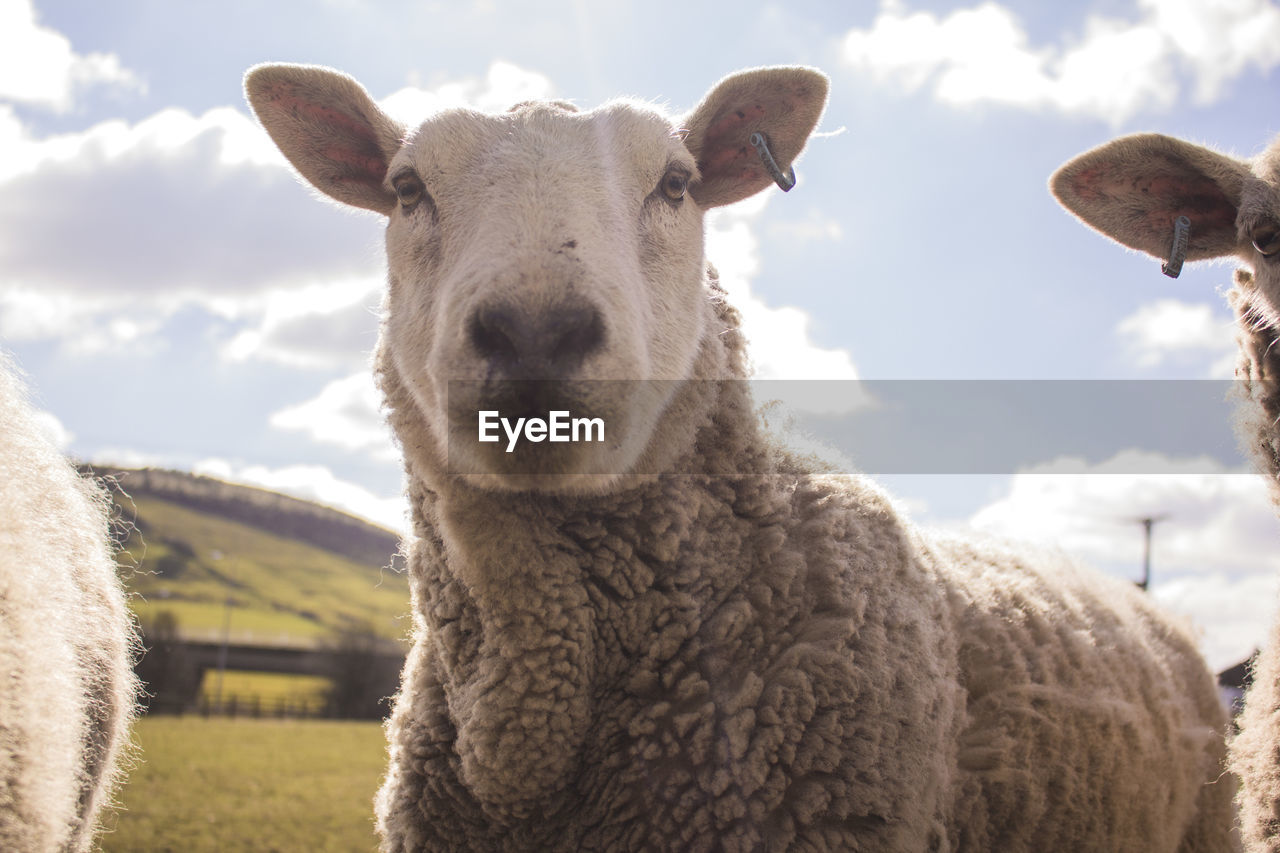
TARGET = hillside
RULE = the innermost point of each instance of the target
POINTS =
(278, 570)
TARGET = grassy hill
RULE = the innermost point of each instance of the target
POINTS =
(282, 570)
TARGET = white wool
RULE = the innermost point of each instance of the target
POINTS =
(66, 641)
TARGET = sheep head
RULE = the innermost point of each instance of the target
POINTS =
(1132, 189)
(543, 257)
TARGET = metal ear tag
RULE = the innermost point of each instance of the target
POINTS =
(1178, 251)
(785, 181)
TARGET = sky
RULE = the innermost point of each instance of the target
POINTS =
(177, 298)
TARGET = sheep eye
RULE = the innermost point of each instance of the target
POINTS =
(673, 185)
(409, 190)
(1266, 239)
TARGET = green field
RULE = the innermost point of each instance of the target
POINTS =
(249, 785)
(280, 591)
(302, 694)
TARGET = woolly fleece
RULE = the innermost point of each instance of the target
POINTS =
(66, 642)
(737, 652)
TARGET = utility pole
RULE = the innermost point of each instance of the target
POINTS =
(1147, 523)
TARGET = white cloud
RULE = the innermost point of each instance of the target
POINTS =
(309, 482)
(1219, 40)
(1215, 521)
(347, 413)
(812, 228)
(86, 325)
(966, 49)
(1168, 329)
(173, 210)
(779, 337)
(1114, 70)
(106, 458)
(313, 483)
(1216, 545)
(323, 326)
(106, 233)
(1234, 614)
(52, 429)
(38, 66)
(503, 86)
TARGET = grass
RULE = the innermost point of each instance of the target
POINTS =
(200, 620)
(266, 690)
(249, 785)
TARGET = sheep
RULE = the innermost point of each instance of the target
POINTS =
(684, 636)
(67, 642)
(1132, 189)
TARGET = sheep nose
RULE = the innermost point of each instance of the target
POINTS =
(544, 345)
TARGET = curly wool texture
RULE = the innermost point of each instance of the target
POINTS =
(777, 661)
(66, 642)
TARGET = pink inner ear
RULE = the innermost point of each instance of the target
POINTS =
(286, 98)
(1198, 199)
(726, 154)
(370, 168)
(1164, 191)
(1086, 184)
(731, 163)
(355, 143)
(732, 121)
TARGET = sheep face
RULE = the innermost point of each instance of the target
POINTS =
(1133, 188)
(542, 259)
(539, 260)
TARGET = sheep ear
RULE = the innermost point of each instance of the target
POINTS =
(329, 128)
(1133, 188)
(784, 103)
